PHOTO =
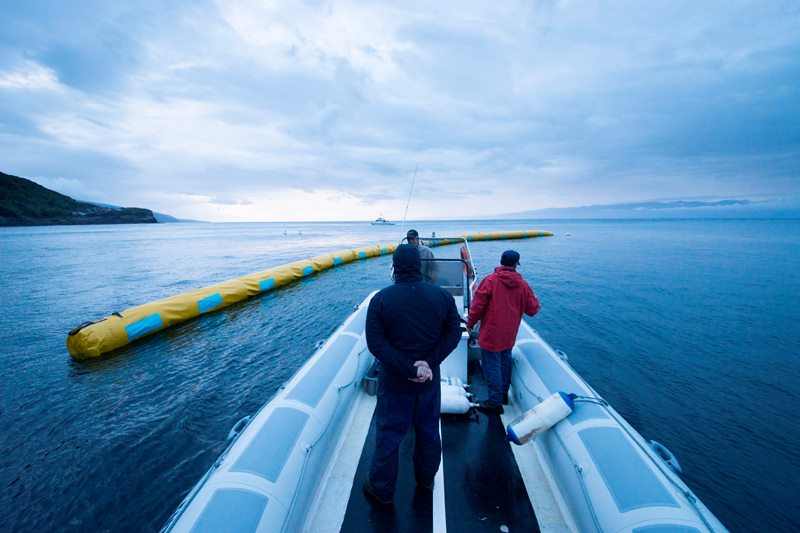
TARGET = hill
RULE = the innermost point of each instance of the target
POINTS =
(25, 203)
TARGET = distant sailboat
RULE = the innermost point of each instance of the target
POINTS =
(380, 221)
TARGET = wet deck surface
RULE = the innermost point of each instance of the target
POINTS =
(482, 484)
(412, 509)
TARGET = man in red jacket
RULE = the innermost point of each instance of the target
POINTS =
(498, 305)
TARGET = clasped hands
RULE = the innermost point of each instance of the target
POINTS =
(424, 372)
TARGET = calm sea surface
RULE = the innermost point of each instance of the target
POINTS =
(689, 328)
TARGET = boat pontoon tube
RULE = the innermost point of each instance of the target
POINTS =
(92, 339)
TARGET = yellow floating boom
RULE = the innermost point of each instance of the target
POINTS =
(93, 339)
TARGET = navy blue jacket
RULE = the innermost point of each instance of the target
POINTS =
(410, 321)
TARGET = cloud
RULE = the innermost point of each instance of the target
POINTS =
(318, 37)
(29, 76)
(229, 201)
(729, 208)
(204, 106)
(70, 187)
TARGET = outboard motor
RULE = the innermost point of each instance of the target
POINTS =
(541, 417)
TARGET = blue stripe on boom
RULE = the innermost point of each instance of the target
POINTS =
(308, 270)
(383, 251)
(209, 302)
(144, 326)
(266, 284)
(337, 261)
(362, 255)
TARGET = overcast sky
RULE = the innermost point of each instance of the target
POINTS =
(255, 110)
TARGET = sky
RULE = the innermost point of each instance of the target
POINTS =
(254, 111)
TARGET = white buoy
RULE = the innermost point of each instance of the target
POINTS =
(541, 417)
(454, 404)
(453, 390)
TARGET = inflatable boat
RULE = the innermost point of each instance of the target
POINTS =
(298, 463)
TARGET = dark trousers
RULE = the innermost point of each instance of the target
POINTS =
(395, 413)
(497, 371)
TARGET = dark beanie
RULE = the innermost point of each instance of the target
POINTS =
(406, 263)
(510, 258)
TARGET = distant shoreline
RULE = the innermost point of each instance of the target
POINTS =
(26, 203)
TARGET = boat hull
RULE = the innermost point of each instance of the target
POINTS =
(285, 470)
(607, 476)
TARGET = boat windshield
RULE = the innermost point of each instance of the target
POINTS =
(454, 274)
(448, 274)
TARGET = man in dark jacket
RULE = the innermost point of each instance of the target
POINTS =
(498, 305)
(411, 327)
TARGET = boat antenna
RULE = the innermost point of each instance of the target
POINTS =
(403, 226)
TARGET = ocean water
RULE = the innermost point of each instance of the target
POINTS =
(689, 329)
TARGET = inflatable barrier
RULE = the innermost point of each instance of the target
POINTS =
(92, 339)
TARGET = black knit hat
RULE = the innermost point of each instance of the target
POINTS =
(510, 258)
(406, 262)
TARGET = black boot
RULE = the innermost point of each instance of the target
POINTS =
(490, 408)
(370, 491)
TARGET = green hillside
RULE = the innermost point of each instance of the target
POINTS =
(25, 203)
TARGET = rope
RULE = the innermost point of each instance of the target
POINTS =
(356, 373)
(590, 399)
(575, 465)
(668, 474)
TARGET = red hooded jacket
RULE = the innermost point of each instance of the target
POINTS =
(498, 304)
